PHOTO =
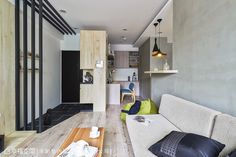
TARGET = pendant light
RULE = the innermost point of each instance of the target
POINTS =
(155, 48)
(159, 53)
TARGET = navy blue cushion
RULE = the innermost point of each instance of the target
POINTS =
(179, 144)
(232, 154)
(134, 108)
(125, 91)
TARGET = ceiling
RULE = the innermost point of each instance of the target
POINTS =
(166, 25)
(111, 15)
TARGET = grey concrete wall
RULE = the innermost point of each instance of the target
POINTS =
(153, 87)
(205, 53)
(144, 65)
(161, 83)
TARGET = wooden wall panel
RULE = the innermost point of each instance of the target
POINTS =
(100, 73)
(7, 67)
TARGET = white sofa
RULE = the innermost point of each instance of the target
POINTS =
(181, 115)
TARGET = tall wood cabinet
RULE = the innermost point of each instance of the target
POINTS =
(86, 49)
(93, 50)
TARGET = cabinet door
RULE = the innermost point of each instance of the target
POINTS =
(86, 50)
(86, 91)
(122, 59)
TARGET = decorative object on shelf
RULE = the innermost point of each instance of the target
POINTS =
(157, 51)
(134, 78)
(166, 65)
(88, 78)
(129, 78)
(110, 61)
(110, 77)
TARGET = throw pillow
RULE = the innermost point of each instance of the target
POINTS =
(179, 144)
(232, 154)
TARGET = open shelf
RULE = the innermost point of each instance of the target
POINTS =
(161, 72)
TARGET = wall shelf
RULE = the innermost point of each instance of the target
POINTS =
(161, 72)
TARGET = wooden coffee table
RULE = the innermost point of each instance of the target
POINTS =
(77, 134)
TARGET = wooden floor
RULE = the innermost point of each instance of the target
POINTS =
(116, 144)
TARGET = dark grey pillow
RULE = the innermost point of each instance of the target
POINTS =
(232, 154)
(179, 144)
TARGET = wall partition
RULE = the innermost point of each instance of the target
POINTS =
(46, 12)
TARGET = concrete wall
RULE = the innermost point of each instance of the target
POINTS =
(205, 53)
(144, 65)
(161, 83)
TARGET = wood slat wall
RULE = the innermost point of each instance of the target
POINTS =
(7, 68)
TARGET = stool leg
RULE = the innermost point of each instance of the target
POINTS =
(122, 97)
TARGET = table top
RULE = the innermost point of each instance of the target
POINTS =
(77, 134)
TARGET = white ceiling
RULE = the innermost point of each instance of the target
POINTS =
(112, 16)
(166, 25)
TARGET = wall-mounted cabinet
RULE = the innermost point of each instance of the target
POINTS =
(125, 59)
(122, 59)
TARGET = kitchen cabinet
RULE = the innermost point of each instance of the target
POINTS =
(122, 59)
(113, 94)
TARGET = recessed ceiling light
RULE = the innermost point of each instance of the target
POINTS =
(124, 38)
(63, 11)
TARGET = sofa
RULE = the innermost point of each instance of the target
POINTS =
(177, 114)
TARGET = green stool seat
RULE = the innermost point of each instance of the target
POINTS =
(147, 107)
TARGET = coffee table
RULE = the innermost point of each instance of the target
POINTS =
(77, 134)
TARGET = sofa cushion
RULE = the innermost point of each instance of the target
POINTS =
(180, 144)
(224, 131)
(143, 136)
(187, 116)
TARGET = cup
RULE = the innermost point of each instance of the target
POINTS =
(94, 130)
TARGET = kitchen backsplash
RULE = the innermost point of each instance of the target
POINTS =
(123, 73)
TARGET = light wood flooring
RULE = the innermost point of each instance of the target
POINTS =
(116, 144)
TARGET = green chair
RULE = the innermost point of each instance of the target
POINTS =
(147, 107)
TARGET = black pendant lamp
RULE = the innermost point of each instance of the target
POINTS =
(158, 53)
(155, 48)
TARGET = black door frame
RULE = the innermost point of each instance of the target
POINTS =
(61, 75)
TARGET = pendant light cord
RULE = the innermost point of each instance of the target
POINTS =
(160, 36)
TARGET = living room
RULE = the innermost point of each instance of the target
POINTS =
(172, 60)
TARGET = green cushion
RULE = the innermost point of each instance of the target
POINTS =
(147, 107)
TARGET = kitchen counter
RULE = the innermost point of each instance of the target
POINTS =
(113, 94)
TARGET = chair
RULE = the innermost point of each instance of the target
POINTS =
(129, 92)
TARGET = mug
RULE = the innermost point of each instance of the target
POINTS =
(94, 130)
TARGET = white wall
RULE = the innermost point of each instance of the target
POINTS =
(71, 42)
(122, 74)
(123, 47)
(51, 67)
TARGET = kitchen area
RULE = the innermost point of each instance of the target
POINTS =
(122, 70)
